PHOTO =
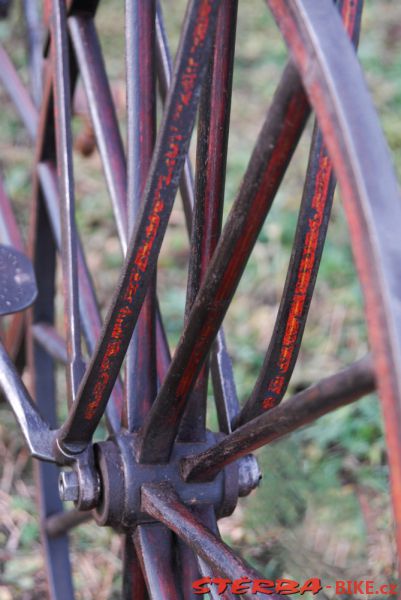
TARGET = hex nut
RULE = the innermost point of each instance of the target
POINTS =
(68, 486)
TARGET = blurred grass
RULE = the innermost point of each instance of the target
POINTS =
(322, 508)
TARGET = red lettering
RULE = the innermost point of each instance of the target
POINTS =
(221, 584)
(340, 587)
(314, 586)
(199, 586)
(263, 586)
(240, 586)
(287, 586)
(369, 588)
(358, 587)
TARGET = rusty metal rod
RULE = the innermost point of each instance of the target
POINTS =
(49, 338)
(133, 579)
(18, 94)
(154, 546)
(162, 503)
(162, 183)
(140, 360)
(277, 141)
(221, 368)
(60, 523)
(211, 159)
(329, 394)
(62, 119)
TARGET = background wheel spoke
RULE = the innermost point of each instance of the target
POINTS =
(60, 523)
(225, 393)
(35, 48)
(188, 569)
(56, 549)
(10, 236)
(51, 341)
(12, 83)
(103, 116)
(9, 230)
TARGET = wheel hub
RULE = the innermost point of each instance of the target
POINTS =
(116, 478)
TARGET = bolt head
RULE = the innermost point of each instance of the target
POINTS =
(68, 486)
(249, 475)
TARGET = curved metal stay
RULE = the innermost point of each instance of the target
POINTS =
(369, 188)
(18, 291)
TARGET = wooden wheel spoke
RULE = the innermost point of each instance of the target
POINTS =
(329, 394)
